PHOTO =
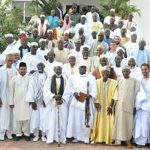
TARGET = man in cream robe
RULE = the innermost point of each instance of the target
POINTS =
(6, 74)
(79, 124)
(104, 119)
(35, 97)
(19, 86)
(142, 117)
(56, 107)
(127, 91)
(61, 53)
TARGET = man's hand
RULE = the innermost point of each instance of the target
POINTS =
(34, 106)
(12, 106)
(98, 106)
(1, 103)
(109, 110)
(76, 95)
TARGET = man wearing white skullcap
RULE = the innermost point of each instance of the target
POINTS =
(42, 50)
(70, 68)
(12, 45)
(123, 125)
(80, 122)
(55, 105)
(86, 59)
(112, 14)
(135, 71)
(31, 58)
(89, 15)
(132, 44)
(42, 26)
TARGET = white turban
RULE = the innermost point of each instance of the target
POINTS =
(33, 44)
(42, 40)
(120, 48)
(72, 55)
(9, 35)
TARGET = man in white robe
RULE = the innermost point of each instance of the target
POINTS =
(135, 71)
(80, 120)
(42, 50)
(142, 117)
(19, 86)
(56, 107)
(32, 58)
(12, 45)
(86, 59)
(35, 97)
(51, 63)
(70, 68)
(6, 121)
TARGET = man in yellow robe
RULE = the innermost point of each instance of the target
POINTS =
(104, 119)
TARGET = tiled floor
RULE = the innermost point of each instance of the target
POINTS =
(23, 145)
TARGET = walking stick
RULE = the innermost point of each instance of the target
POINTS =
(58, 125)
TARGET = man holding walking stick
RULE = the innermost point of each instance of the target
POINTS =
(56, 112)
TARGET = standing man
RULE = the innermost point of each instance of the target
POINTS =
(6, 74)
(80, 92)
(56, 120)
(142, 117)
(35, 97)
(19, 86)
(125, 108)
(104, 103)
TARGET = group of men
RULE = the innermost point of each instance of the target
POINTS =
(79, 81)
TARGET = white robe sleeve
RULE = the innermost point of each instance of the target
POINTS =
(48, 96)
(93, 87)
(12, 91)
(30, 97)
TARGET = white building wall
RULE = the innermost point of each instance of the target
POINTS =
(143, 21)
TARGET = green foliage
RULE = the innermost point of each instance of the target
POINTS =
(120, 6)
(10, 21)
(44, 5)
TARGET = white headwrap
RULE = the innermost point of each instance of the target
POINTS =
(33, 44)
(120, 48)
(9, 35)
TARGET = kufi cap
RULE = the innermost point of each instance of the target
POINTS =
(120, 48)
(125, 67)
(9, 35)
(22, 32)
(131, 57)
(72, 55)
(106, 68)
(33, 44)
(85, 46)
(72, 30)
(82, 63)
(66, 32)
(42, 40)
(112, 9)
(42, 16)
(83, 16)
(22, 64)
(77, 40)
(133, 33)
(48, 31)
(103, 56)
